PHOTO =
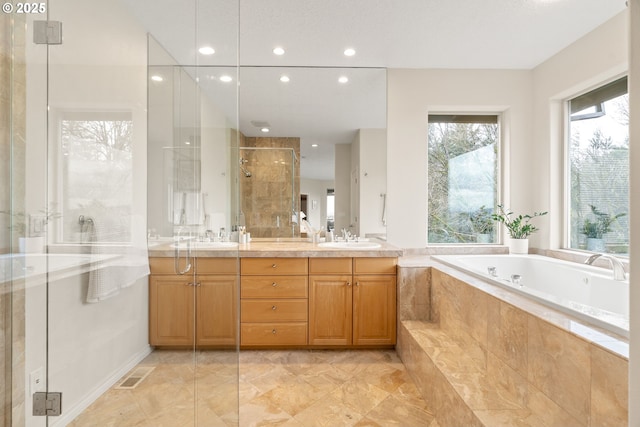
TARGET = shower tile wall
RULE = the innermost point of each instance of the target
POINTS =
(267, 197)
(12, 194)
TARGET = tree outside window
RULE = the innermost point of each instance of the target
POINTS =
(462, 178)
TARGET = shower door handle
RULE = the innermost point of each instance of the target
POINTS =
(176, 258)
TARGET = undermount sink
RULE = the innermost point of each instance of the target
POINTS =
(350, 245)
(206, 245)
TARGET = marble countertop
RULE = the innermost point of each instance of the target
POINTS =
(301, 248)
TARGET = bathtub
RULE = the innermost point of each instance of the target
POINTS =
(583, 291)
(42, 267)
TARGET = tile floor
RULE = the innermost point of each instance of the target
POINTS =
(283, 388)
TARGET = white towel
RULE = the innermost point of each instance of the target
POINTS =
(103, 281)
(114, 267)
(188, 208)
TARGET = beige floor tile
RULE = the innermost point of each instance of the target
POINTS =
(296, 388)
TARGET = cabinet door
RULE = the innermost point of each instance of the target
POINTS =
(374, 309)
(217, 311)
(171, 310)
(330, 310)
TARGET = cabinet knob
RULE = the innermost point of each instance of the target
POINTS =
(348, 283)
(274, 284)
(273, 266)
(357, 283)
(273, 331)
(273, 307)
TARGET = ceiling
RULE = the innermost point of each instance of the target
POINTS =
(466, 34)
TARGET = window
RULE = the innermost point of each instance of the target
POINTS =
(598, 156)
(462, 178)
(96, 168)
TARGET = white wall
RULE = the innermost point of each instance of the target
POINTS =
(343, 187)
(317, 191)
(412, 95)
(373, 180)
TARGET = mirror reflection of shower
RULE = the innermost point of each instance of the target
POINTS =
(269, 184)
(246, 173)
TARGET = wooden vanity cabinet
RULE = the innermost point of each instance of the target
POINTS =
(184, 311)
(352, 301)
(274, 302)
(374, 301)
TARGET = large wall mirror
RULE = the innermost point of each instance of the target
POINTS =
(282, 151)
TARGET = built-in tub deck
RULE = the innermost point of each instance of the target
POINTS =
(484, 356)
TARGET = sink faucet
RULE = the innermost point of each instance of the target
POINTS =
(616, 265)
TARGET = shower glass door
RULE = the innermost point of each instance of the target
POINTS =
(104, 168)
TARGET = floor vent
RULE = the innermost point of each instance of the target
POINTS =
(134, 379)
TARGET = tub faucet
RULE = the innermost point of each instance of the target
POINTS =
(618, 269)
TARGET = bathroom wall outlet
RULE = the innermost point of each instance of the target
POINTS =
(36, 380)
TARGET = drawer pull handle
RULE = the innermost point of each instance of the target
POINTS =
(273, 307)
(274, 284)
(273, 331)
(273, 266)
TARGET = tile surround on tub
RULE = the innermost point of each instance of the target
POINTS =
(535, 366)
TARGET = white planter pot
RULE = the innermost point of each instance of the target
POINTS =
(596, 245)
(518, 246)
(30, 245)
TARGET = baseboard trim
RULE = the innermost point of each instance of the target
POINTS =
(69, 414)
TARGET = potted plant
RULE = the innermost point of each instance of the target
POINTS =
(519, 228)
(483, 224)
(596, 226)
(30, 228)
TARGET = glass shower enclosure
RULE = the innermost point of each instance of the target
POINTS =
(88, 122)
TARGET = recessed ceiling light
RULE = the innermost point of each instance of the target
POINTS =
(314, 145)
(208, 50)
(349, 52)
(187, 143)
(157, 78)
(265, 130)
(278, 51)
(343, 79)
(284, 79)
(226, 78)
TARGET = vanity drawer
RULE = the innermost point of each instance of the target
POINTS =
(166, 265)
(270, 266)
(374, 265)
(330, 265)
(282, 310)
(273, 334)
(217, 265)
(274, 287)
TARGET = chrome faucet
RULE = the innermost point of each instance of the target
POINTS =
(618, 269)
